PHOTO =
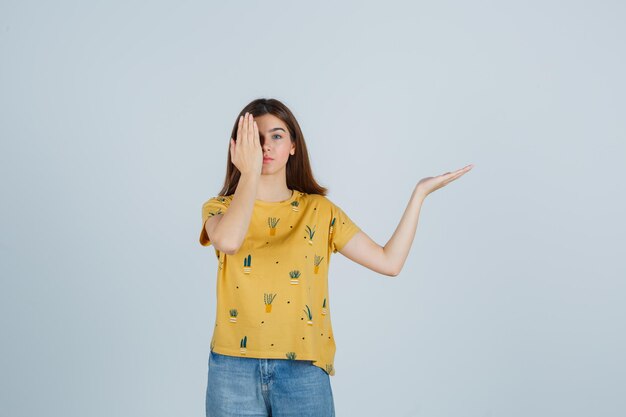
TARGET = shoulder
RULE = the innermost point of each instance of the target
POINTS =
(324, 201)
(316, 199)
(322, 204)
(222, 201)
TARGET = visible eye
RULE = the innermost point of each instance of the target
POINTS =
(276, 135)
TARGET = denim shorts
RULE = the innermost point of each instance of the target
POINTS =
(242, 386)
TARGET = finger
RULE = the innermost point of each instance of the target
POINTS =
(462, 171)
(453, 177)
(244, 133)
(450, 174)
(465, 168)
(256, 133)
(251, 129)
(239, 128)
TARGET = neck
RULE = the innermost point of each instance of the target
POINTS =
(273, 188)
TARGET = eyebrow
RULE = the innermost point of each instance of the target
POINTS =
(276, 128)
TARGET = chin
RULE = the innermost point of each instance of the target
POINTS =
(274, 168)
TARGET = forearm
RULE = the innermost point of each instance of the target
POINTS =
(397, 248)
(233, 227)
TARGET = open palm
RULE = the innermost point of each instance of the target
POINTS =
(429, 184)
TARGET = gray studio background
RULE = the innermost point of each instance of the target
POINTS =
(115, 120)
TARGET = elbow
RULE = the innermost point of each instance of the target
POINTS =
(229, 248)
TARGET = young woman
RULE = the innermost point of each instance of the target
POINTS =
(274, 230)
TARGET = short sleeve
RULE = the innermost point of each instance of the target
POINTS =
(342, 228)
(210, 208)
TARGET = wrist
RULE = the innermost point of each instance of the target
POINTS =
(249, 176)
(419, 194)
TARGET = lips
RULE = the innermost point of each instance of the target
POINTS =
(267, 158)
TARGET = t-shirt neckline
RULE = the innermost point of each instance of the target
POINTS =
(278, 203)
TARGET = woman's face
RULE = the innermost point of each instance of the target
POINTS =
(275, 142)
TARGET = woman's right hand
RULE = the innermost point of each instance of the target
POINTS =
(246, 152)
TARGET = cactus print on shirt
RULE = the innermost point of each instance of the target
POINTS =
(272, 295)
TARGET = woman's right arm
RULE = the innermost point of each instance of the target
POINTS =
(227, 231)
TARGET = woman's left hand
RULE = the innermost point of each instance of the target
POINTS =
(429, 184)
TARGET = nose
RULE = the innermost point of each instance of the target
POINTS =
(265, 144)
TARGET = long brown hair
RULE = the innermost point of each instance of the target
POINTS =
(298, 170)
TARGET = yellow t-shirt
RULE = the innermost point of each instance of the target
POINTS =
(272, 295)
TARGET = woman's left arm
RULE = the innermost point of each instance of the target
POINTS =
(389, 260)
